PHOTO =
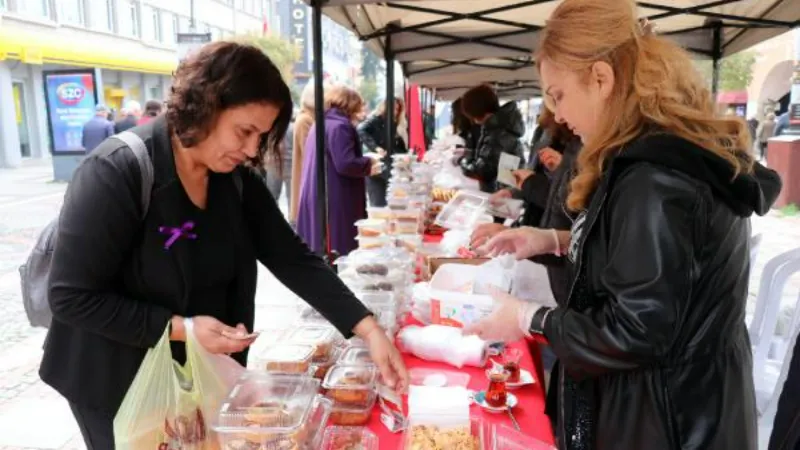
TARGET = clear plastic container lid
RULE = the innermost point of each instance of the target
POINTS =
(372, 227)
(288, 353)
(358, 378)
(267, 403)
(462, 212)
(379, 213)
(408, 215)
(349, 438)
(317, 422)
(312, 335)
(356, 356)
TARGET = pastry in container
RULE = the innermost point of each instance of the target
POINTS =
(285, 358)
(353, 416)
(356, 356)
(266, 411)
(321, 337)
(371, 227)
(407, 227)
(374, 212)
(411, 242)
(368, 243)
(349, 438)
(351, 386)
(321, 367)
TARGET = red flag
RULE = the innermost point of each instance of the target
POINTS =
(265, 26)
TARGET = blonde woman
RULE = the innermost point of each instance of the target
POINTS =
(652, 342)
(302, 125)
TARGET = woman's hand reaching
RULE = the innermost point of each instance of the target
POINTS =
(384, 354)
(213, 335)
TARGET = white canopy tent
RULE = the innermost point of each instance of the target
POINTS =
(451, 45)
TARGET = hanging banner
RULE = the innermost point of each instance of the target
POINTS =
(297, 15)
(71, 97)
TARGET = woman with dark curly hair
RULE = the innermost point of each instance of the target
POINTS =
(118, 282)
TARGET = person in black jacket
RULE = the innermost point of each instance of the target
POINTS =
(501, 130)
(653, 348)
(372, 133)
(463, 126)
(117, 282)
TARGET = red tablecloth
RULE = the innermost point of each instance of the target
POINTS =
(529, 413)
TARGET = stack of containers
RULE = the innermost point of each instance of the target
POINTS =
(267, 411)
(352, 390)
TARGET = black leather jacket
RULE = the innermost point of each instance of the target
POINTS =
(372, 133)
(501, 133)
(652, 343)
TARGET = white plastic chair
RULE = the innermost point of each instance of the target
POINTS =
(776, 273)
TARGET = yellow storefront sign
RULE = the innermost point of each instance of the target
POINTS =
(36, 48)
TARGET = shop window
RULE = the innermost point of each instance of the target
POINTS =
(71, 12)
(2, 5)
(37, 8)
(129, 19)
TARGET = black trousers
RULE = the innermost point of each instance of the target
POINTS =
(97, 428)
(376, 191)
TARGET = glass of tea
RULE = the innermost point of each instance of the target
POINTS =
(511, 359)
(496, 394)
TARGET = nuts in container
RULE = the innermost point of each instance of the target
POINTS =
(352, 386)
(288, 358)
(353, 416)
(321, 337)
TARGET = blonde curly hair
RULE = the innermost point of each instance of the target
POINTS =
(656, 84)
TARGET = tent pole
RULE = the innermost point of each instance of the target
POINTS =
(716, 59)
(319, 120)
(391, 126)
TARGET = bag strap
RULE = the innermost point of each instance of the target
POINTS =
(139, 149)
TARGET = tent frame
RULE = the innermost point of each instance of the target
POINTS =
(716, 23)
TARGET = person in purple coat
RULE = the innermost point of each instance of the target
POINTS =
(346, 169)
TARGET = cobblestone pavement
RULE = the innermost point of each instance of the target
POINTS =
(33, 416)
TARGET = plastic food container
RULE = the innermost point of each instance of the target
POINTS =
(351, 386)
(317, 422)
(270, 411)
(356, 356)
(507, 438)
(349, 438)
(372, 227)
(437, 378)
(407, 227)
(368, 243)
(288, 358)
(397, 203)
(321, 367)
(322, 337)
(438, 432)
(353, 416)
(411, 242)
(379, 213)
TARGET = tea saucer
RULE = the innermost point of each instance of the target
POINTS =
(480, 399)
(525, 378)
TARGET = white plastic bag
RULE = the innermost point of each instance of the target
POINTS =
(531, 283)
(169, 407)
(443, 344)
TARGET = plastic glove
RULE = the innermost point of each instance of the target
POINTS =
(509, 321)
(523, 242)
(500, 196)
(484, 232)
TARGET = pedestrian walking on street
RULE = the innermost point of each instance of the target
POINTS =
(130, 117)
(120, 278)
(152, 109)
(97, 129)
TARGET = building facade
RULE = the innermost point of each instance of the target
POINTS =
(340, 48)
(129, 46)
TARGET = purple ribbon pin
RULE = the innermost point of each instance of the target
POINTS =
(177, 233)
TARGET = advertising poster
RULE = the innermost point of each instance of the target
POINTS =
(71, 98)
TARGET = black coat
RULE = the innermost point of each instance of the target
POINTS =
(500, 134)
(372, 133)
(113, 286)
(652, 343)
